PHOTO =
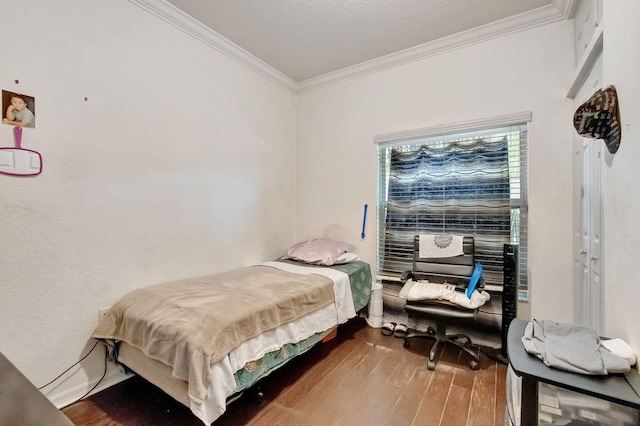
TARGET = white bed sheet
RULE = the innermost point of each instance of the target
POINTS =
(221, 374)
(341, 286)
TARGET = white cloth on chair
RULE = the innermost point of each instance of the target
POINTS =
(440, 246)
(415, 291)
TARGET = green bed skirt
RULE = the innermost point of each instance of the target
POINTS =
(360, 279)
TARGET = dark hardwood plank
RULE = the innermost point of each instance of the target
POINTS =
(500, 394)
(406, 409)
(456, 410)
(483, 401)
(360, 377)
(435, 397)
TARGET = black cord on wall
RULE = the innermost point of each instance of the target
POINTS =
(65, 371)
(106, 357)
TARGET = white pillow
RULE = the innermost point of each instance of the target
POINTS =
(346, 258)
(319, 251)
(621, 348)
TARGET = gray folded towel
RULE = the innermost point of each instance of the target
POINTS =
(571, 347)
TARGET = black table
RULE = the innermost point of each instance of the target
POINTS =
(21, 403)
(615, 388)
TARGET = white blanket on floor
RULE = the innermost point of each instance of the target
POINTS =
(423, 290)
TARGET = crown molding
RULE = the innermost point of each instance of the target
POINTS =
(567, 8)
(174, 16)
(557, 11)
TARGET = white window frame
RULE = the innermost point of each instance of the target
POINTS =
(475, 127)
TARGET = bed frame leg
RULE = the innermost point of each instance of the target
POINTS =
(257, 395)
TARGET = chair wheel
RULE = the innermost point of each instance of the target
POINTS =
(431, 331)
(431, 365)
(475, 365)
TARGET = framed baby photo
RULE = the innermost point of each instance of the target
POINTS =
(18, 109)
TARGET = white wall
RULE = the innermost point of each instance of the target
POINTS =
(181, 162)
(527, 71)
(622, 175)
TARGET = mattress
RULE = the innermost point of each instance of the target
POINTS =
(259, 356)
(161, 375)
(359, 274)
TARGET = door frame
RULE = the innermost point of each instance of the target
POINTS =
(588, 248)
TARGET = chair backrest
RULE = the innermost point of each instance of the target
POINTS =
(455, 270)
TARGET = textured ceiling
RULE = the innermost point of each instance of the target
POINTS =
(307, 38)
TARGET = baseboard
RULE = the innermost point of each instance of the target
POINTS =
(70, 396)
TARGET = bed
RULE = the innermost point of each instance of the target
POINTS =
(205, 340)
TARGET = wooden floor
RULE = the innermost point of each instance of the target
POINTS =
(359, 378)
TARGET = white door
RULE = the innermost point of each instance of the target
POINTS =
(588, 298)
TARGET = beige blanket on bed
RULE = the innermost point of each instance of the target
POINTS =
(191, 324)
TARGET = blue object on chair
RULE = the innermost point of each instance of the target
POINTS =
(458, 271)
(475, 278)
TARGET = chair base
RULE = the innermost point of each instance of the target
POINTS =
(439, 335)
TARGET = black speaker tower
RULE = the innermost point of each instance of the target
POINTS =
(509, 291)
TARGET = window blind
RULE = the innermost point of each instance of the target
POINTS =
(457, 181)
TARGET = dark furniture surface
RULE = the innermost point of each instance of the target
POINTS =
(615, 388)
(454, 270)
(21, 403)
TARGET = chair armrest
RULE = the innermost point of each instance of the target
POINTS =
(405, 276)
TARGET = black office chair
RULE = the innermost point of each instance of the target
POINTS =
(454, 270)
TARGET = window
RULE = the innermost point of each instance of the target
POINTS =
(464, 179)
